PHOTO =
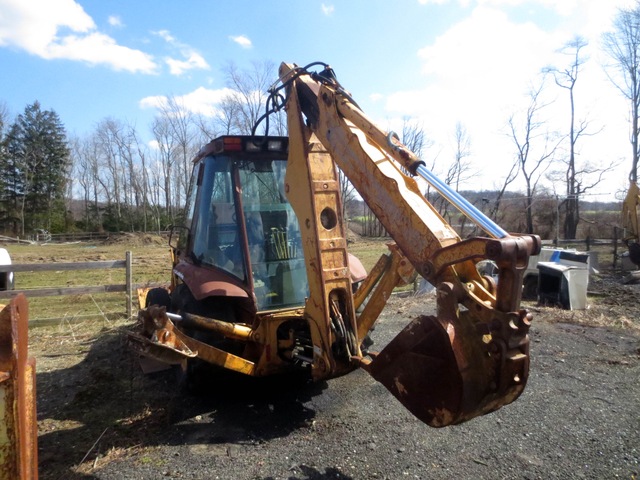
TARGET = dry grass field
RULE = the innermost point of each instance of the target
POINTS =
(150, 265)
(96, 409)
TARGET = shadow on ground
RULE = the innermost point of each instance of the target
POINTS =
(104, 407)
(310, 473)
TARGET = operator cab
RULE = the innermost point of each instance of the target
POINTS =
(241, 226)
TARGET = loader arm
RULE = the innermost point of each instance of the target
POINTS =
(470, 359)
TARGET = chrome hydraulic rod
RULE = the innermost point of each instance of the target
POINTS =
(462, 204)
(388, 141)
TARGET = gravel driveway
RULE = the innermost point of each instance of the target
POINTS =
(578, 418)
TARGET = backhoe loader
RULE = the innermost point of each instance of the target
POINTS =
(263, 283)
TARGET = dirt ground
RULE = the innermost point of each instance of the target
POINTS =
(99, 417)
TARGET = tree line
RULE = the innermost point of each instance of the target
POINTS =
(112, 180)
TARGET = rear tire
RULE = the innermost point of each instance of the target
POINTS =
(196, 379)
(158, 296)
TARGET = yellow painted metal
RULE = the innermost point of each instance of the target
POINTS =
(142, 296)
(216, 356)
(274, 354)
(630, 222)
(439, 367)
(313, 189)
(235, 331)
(390, 272)
(630, 212)
(393, 196)
(8, 453)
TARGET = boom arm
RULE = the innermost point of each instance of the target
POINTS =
(470, 359)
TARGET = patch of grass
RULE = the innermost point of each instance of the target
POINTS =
(150, 264)
(369, 250)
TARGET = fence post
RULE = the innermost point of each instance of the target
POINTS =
(129, 286)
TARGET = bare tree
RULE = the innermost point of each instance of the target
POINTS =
(511, 176)
(623, 46)
(459, 170)
(131, 153)
(89, 166)
(567, 78)
(413, 136)
(180, 125)
(225, 120)
(142, 179)
(114, 185)
(166, 161)
(80, 172)
(535, 147)
(246, 104)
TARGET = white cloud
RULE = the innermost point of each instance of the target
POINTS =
(37, 27)
(564, 8)
(328, 9)
(191, 59)
(153, 101)
(202, 100)
(242, 40)
(478, 73)
(481, 66)
(97, 48)
(195, 60)
(165, 35)
(115, 21)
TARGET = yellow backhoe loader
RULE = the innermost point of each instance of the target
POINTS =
(263, 282)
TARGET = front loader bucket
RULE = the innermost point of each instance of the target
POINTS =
(445, 376)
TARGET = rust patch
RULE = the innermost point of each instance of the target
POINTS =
(18, 432)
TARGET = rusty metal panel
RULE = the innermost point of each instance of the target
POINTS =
(18, 428)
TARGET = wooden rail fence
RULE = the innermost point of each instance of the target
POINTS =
(55, 291)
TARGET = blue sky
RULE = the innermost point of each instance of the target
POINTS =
(437, 61)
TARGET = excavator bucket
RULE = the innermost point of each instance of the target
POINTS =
(445, 376)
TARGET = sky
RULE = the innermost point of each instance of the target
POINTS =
(438, 62)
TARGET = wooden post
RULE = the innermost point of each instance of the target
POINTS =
(129, 284)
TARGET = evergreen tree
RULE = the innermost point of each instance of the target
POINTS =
(3, 150)
(11, 183)
(34, 170)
